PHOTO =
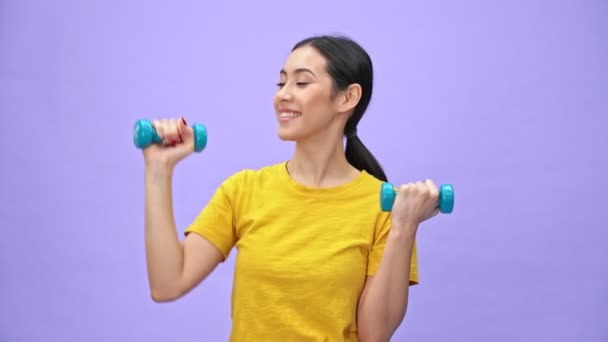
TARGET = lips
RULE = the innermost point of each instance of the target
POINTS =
(287, 115)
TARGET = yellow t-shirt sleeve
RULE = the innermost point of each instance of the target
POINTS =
(216, 221)
(377, 250)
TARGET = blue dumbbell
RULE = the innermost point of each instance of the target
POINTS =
(446, 197)
(144, 134)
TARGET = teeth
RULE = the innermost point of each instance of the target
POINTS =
(289, 114)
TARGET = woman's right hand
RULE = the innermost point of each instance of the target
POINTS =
(178, 143)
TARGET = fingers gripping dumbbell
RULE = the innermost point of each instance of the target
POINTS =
(445, 201)
(144, 134)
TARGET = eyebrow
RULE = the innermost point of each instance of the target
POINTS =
(298, 70)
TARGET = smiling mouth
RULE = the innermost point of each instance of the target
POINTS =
(286, 116)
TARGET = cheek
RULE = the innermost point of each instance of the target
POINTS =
(320, 106)
(315, 101)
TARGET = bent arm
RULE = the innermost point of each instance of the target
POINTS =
(384, 299)
(174, 267)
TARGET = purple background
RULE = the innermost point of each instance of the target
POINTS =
(507, 100)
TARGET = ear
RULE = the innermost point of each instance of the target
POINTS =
(349, 98)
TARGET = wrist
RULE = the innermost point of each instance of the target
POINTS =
(402, 237)
(407, 228)
(158, 170)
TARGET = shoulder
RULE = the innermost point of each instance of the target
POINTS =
(371, 188)
(251, 176)
(245, 186)
(370, 184)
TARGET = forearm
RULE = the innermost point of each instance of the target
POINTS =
(164, 253)
(383, 308)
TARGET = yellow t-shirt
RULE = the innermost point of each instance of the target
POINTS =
(303, 253)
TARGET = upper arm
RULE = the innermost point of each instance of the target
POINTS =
(210, 237)
(200, 258)
(377, 250)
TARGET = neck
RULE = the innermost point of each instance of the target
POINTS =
(316, 163)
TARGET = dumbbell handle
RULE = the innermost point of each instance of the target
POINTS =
(445, 202)
(144, 134)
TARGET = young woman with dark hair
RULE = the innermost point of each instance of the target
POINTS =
(317, 259)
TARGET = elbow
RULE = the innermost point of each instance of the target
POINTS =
(378, 331)
(374, 337)
(163, 296)
(374, 334)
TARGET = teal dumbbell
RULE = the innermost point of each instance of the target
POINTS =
(144, 134)
(445, 202)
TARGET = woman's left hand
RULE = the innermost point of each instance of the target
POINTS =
(415, 203)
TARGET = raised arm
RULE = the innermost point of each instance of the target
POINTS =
(174, 267)
(384, 300)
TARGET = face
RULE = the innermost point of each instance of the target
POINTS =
(303, 103)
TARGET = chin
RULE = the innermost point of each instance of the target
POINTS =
(292, 133)
(287, 136)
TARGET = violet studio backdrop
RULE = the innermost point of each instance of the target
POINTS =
(506, 100)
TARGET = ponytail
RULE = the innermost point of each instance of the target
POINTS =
(361, 158)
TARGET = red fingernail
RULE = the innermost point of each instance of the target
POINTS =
(184, 121)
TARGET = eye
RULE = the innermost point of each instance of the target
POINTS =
(299, 84)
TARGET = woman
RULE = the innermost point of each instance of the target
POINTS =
(317, 258)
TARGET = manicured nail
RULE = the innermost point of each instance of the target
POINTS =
(184, 122)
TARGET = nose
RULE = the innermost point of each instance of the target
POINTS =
(283, 94)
